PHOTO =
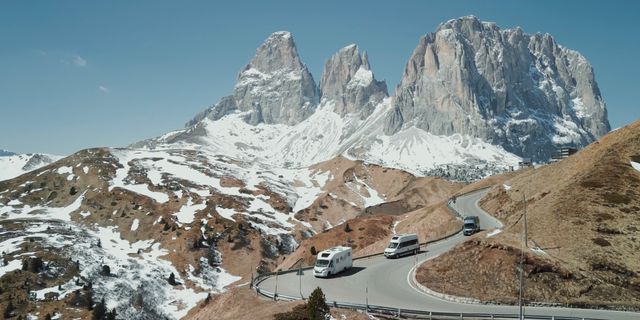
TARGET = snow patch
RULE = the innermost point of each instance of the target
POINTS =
(226, 213)
(187, 212)
(493, 233)
(11, 266)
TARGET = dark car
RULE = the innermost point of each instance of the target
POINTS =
(471, 225)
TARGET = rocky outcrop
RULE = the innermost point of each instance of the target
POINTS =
(37, 160)
(523, 92)
(347, 81)
(274, 88)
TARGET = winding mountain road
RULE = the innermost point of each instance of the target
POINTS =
(389, 282)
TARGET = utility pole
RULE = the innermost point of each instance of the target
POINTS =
(526, 235)
(367, 298)
(300, 279)
(524, 247)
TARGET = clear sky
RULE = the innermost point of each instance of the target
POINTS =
(79, 74)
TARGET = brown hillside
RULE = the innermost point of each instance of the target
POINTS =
(583, 229)
(418, 205)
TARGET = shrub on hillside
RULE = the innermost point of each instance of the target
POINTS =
(316, 308)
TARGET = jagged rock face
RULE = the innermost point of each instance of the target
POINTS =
(348, 81)
(525, 93)
(275, 87)
(36, 161)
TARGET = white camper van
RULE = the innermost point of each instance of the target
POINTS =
(402, 244)
(332, 261)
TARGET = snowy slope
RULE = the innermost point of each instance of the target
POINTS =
(207, 191)
(13, 165)
(325, 135)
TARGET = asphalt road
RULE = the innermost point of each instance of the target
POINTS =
(389, 282)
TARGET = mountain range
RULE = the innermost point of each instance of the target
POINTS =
(473, 98)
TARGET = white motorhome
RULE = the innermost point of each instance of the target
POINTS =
(402, 244)
(332, 261)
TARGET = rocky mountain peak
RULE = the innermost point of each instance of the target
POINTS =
(347, 81)
(275, 87)
(525, 93)
(277, 52)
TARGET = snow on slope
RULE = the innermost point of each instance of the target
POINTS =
(12, 166)
(325, 134)
(135, 267)
(203, 172)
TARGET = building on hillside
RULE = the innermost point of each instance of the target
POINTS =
(563, 153)
(525, 163)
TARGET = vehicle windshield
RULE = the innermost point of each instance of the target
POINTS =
(322, 263)
(469, 225)
(393, 245)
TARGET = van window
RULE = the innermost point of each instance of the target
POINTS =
(324, 255)
(393, 245)
(408, 243)
(322, 263)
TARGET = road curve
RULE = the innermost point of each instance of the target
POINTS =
(388, 282)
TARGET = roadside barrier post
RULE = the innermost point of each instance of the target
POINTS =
(300, 280)
(366, 290)
(276, 290)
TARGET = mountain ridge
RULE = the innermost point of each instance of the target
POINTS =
(501, 94)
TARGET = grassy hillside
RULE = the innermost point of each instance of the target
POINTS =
(583, 225)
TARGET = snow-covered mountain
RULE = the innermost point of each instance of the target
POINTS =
(472, 96)
(13, 165)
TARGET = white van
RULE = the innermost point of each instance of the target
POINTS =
(402, 244)
(332, 261)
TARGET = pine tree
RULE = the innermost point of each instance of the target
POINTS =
(314, 251)
(47, 317)
(139, 302)
(100, 311)
(112, 314)
(106, 270)
(10, 310)
(90, 301)
(172, 279)
(317, 308)
(347, 228)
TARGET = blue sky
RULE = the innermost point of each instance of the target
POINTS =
(79, 74)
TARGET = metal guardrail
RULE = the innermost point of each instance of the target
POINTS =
(400, 312)
(417, 314)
